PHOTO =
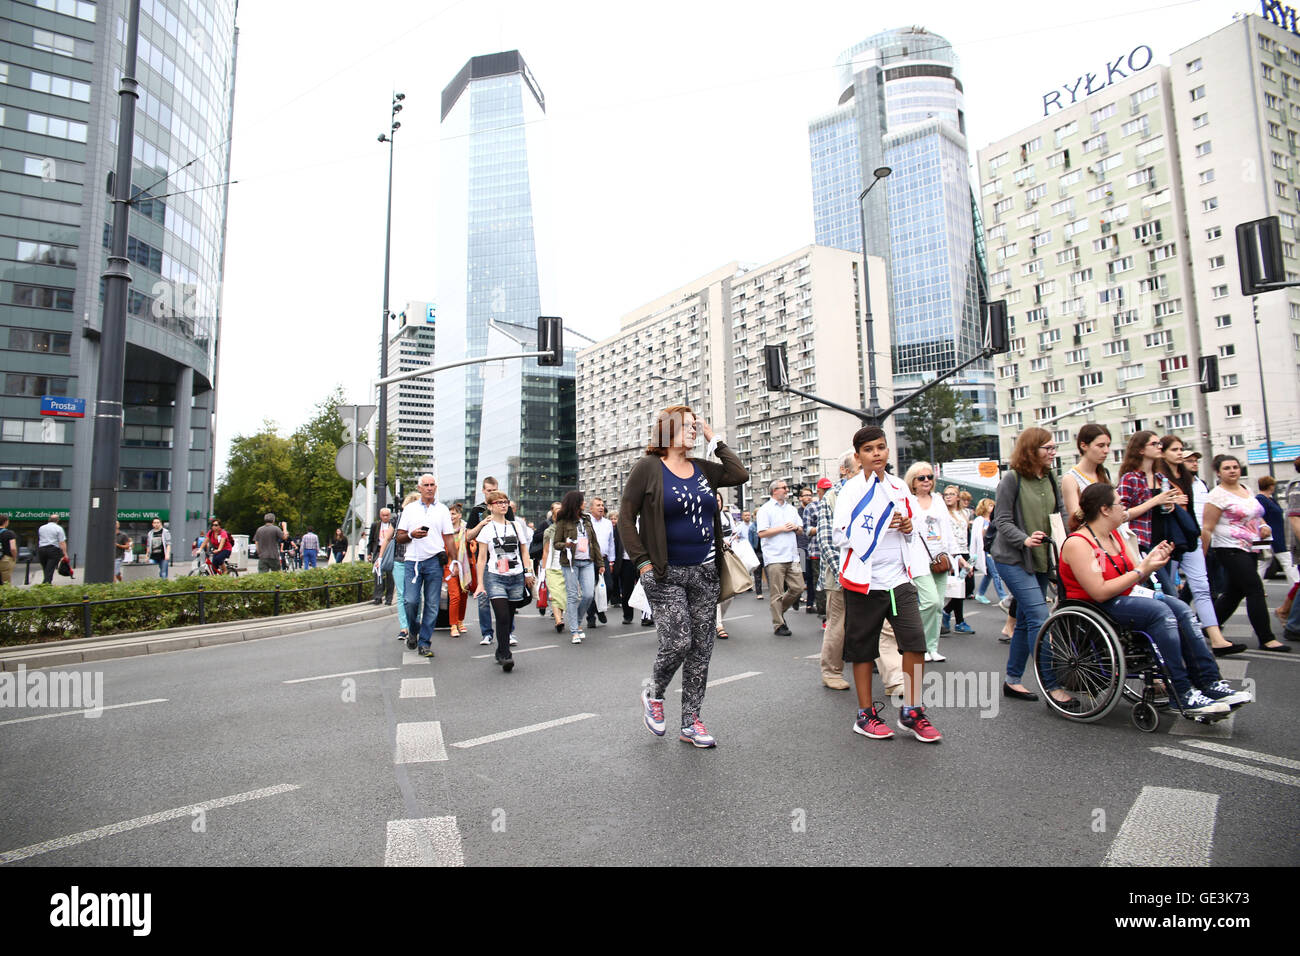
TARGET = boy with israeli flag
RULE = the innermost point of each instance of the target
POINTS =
(879, 557)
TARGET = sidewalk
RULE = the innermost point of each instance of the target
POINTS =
(85, 650)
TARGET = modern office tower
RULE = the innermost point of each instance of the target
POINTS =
(491, 223)
(901, 105)
(702, 345)
(411, 402)
(60, 61)
(1111, 235)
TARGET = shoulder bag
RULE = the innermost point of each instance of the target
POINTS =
(735, 578)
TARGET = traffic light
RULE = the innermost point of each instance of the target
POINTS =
(1259, 255)
(775, 368)
(998, 336)
(550, 338)
(1207, 370)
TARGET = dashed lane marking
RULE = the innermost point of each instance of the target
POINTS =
(516, 650)
(1262, 773)
(1166, 827)
(726, 680)
(62, 843)
(417, 687)
(530, 729)
(419, 742)
(428, 841)
(86, 712)
(304, 680)
(1247, 754)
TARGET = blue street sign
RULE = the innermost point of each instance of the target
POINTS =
(1281, 452)
(63, 406)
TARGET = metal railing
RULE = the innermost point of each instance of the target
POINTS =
(203, 597)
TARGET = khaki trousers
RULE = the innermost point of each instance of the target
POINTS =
(889, 663)
(785, 584)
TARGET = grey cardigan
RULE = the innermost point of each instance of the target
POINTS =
(644, 496)
(1009, 544)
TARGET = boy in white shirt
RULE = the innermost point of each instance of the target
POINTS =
(877, 544)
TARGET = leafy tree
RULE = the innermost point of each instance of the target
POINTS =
(259, 478)
(948, 417)
(322, 495)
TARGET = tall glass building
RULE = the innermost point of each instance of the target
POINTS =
(902, 105)
(60, 66)
(514, 421)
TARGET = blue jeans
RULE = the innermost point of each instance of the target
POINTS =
(1176, 632)
(162, 567)
(424, 580)
(484, 614)
(991, 575)
(1030, 591)
(399, 590)
(580, 588)
(309, 558)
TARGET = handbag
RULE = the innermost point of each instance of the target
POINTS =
(940, 565)
(65, 568)
(526, 600)
(602, 596)
(387, 559)
(735, 578)
(543, 596)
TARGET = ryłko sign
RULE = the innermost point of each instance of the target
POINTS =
(1139, 59)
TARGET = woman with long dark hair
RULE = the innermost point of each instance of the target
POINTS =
(1093, 443)
(1234, 521)
(677, 553)
(575, 540)
(1192, 562)
(1143, 491)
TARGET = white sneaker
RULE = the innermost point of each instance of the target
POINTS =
(577, 639)
(1197, 703)
(936, 657)
(487, 639)
(582, 636)
(1222, 691)
(513, 642)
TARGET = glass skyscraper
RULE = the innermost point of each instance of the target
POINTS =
(514, 421)
(60, 66)
(902, 105)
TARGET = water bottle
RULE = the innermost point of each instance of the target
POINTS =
(1155, 586)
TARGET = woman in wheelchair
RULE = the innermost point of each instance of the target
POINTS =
(1099, 567)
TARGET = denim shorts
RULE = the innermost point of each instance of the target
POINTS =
(508, 586)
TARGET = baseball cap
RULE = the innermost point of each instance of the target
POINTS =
(824, 483)
(1192, 454)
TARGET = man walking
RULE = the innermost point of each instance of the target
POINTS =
(809, 513)
(777, 522)
(158, 546)
(310, 548)
(380, 535)
(425, 527)
(604, 529)
(51, 547)
(8, 550)
(268, 538)
(121, 545)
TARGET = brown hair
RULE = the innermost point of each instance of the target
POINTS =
(985, 507)
(1091, 500)
(493, 496)
(1024, 456)
(1133, 453)
(1088, 434)
(667, 428)
(1182, 478)
(1266, 483)
(456, 508)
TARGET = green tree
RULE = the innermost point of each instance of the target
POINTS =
(259, 478)
(947, 418)
(322, 495)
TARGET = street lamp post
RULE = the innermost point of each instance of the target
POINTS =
(381, 453)
(873, 398)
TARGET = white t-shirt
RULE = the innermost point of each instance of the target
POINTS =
(935, 524)
(778, 548)
(506, 545)
(436, 517)
(604, 537)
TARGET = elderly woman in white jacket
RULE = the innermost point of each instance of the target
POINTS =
(936, 531)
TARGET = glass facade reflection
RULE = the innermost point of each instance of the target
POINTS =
(508, 421)
(61, 62)
(902, 106)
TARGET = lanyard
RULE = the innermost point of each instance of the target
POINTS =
(1118, 570)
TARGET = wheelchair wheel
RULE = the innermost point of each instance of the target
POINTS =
(1079, 651)
(1145, 717)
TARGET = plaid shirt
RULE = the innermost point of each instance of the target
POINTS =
(1133, 491)
(825, 541)
(810, 526)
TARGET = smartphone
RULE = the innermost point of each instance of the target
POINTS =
(424, 528)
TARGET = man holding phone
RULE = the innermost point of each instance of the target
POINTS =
(425, 528)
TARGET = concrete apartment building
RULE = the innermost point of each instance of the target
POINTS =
(410, 403)
(703, 344)
(1110, 234)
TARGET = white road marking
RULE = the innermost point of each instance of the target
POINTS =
(1230, 669)
(1257, 655)
(411, 657)
(419, 742)
(1260, 772)
(429, 841)
(417, 687)
(726, 680)
(736, 617)
(634, 631)
(1166, 827)
(1181, 727)
(23, 853)
(814, 657)
(91, 710)
(531, 728)
(303, 680)
(514, 651)
(1247, 754)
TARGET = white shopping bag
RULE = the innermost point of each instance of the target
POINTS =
(638, 599)
(602, 598)
(746, 554)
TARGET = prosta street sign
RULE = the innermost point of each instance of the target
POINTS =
(63, 407)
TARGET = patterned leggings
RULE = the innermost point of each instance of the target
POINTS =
(684, 605)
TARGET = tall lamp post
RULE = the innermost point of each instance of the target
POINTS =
(873, 398)
(381, 453)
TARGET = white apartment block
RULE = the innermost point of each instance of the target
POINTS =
(410, 403)
(710, 334)
(1110, 228)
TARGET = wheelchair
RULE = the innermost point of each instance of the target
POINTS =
(1101, 662)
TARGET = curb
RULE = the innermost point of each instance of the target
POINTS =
(84, 650)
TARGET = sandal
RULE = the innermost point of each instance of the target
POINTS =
(722, 634)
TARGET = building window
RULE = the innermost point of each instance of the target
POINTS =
(1232, 411)
(31, 478)
(1198, 93)
(1090, 379)
(1204, 149)
(35, 385)
(1219, 292)
(1228, 381)
(1216, 262)
(1222, 321)
(1209, 205)
(1280, 190)
(1206, 177)
(1214, 232)
(1201, 120)
(1194, 65)
(1227, 351)
(47, 430)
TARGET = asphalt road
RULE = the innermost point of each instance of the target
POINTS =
(313, 749)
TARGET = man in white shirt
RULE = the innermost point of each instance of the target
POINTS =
(604, 529)
(51, 547)
(777, 522)
(874, 534)
(425, 528)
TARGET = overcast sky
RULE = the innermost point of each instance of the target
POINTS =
(678, 141)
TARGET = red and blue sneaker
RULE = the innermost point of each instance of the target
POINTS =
(697, 735)
(914, 719)
(870, 725)
(654, 713)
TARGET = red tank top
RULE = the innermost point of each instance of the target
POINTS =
(1112, 566)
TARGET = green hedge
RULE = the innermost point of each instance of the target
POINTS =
(224, 599)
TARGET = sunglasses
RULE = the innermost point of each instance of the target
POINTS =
(925, 477)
